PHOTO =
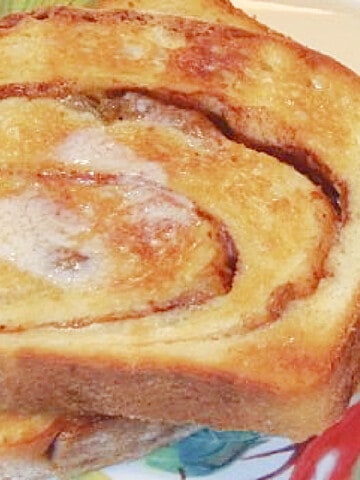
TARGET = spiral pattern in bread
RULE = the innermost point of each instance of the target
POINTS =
(188, 193)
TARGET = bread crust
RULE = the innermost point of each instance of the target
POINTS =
(320, 390)
(226, 405)
(274, 378)
(219, 11)
(68, 446)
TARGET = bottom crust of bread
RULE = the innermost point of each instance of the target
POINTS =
(68, 447)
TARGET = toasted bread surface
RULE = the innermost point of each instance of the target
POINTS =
(273, 346)
(120, 227)
(219, 11)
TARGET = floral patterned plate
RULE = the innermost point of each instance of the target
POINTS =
(334, 28)
(335, 455)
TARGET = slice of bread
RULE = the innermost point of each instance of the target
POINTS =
(34, 447)
(260, 329)
(41, 446)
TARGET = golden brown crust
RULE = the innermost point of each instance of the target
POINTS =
(243, 368)
(219, 11)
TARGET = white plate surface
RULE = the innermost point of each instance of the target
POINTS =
(330, 26)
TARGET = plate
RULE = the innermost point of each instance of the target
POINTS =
(331, 27)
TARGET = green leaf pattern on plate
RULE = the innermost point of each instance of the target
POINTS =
(9, 6)
(204, 452)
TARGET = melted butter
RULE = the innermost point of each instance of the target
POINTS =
(41, 238)
(154, 205)
(73, 242)
(92, 148)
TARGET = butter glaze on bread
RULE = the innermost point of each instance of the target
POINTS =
(278, 352)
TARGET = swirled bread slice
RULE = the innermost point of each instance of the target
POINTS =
(38, 447)
(157, 140)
